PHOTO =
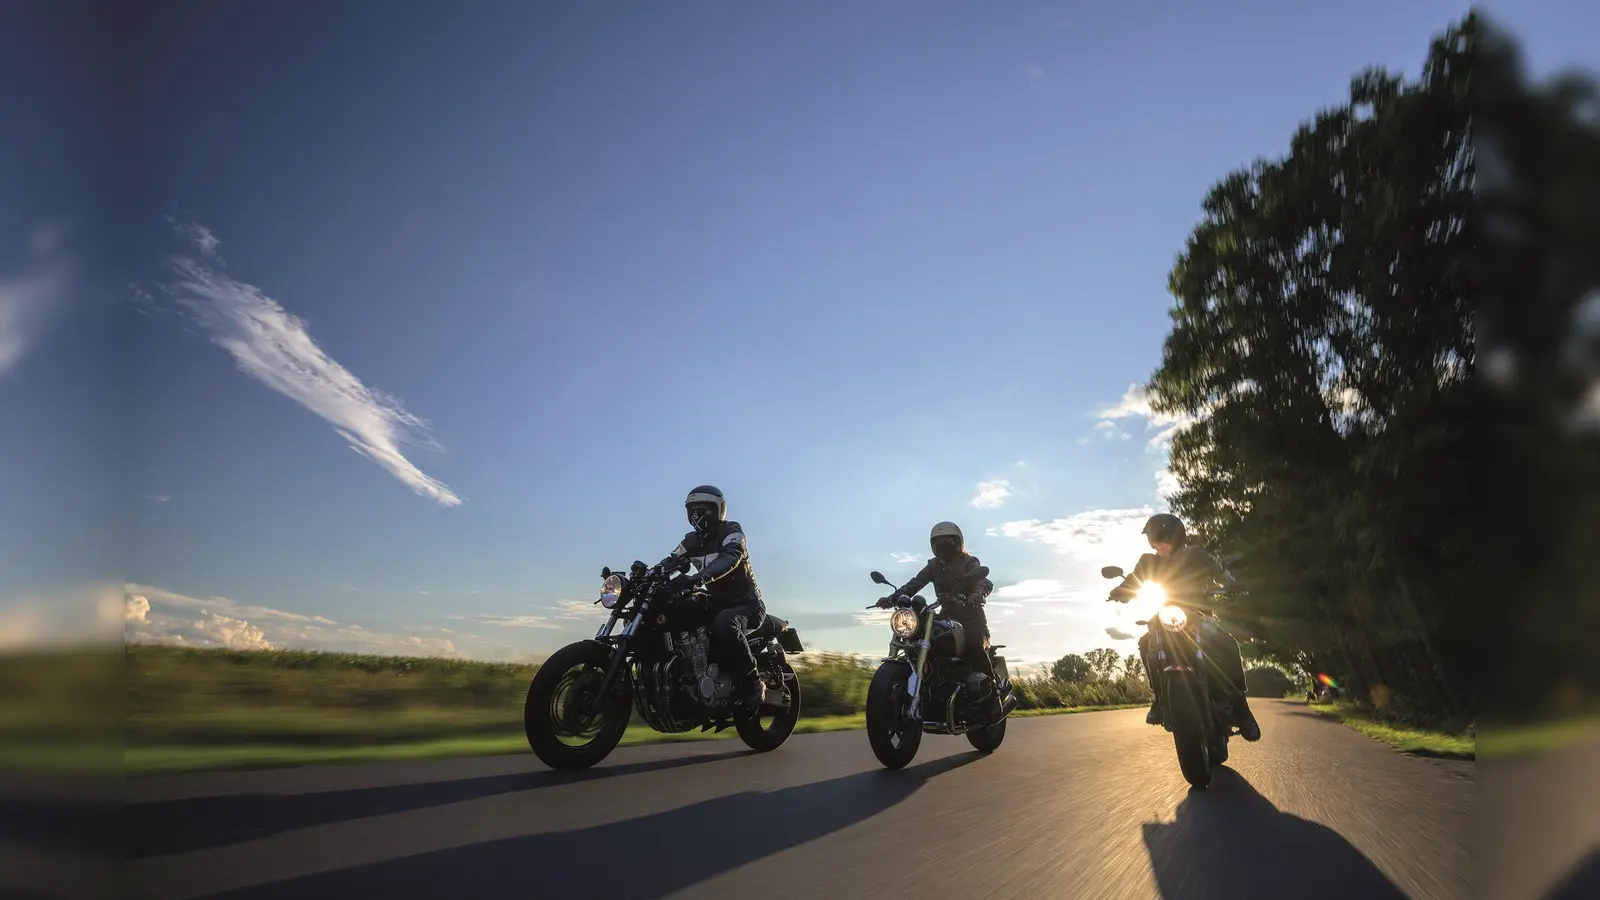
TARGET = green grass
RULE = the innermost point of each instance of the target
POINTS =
(187, 709)
(1542, 737)
(1405, 738)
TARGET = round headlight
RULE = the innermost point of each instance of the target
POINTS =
(1172, 618)
(903, 623)
(610, 590)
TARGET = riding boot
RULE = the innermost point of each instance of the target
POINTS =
(1249, 729)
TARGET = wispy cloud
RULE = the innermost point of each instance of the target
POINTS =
(158, 498)
(905, 558)
(1135, 404)
(1167, 484)
(509, 621)
(1117, 634)
(1039, 590)
(27, 297)
(1036, 76)
(991, 494)
(274, 347)
(154, 615)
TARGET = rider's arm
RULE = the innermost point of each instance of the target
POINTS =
(729, 555)
(918, 581)
(983, 586)
(1129, 587)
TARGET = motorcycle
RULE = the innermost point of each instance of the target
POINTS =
(658, 664)
(1197, 712)
(936, 692)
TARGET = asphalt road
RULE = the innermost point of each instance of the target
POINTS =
(1088, 805)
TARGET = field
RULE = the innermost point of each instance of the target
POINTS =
(190, 709)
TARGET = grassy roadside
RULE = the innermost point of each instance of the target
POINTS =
(1543, 737)
(196, 757)
(1406, 739)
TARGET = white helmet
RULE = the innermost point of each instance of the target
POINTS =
(946, 540)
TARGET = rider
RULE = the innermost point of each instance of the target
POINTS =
(716, 549)
(1186, 572)
(950, 572)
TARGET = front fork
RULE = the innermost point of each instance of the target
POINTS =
(591, 703)
(914, 683)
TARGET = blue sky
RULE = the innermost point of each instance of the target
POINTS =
(546, 270)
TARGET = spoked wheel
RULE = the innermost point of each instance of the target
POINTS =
(894, 740)
(772, 725)
(1188, 733)
(558, 731)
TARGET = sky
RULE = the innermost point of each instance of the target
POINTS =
(383, 328)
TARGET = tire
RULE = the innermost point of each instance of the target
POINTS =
(886, 698)
(1188, 733)
(765, 738)
(551, 685)
(987, 740)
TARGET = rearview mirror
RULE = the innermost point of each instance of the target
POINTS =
(878, 578)
(605, 572)
(1112, 572)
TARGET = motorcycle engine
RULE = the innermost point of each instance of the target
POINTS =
(709, 686)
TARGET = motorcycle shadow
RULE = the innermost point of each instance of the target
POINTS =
(634, 859)
(201, 823)
(1229, 842)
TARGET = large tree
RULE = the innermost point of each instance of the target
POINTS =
(1323, 344)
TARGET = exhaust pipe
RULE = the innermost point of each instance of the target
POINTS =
(1009, 705)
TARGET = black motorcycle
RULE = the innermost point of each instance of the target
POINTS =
(924, 685)
(1196, 709)
(578, 704)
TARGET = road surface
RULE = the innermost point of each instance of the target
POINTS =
(1087, 805)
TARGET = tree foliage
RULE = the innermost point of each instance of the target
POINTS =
(1072, 669)
(1323, 346)
(1104, 662)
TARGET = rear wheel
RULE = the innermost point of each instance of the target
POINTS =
(1188, 732)
(894, 741)
(552, 718)
(772, 725)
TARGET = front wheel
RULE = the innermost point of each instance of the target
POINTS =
(894, 740)
(762, 732)
(987, 740)
(553, 714)
(1188, 732)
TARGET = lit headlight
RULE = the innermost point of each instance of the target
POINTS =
(1172, 618)
(903, 623)
(610, 590)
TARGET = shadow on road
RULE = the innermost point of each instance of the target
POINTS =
(1583, 881)
(156, 829)
(635, 859)
(1231, 842)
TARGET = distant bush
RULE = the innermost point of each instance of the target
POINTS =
(1268, 681)
(1051, 693)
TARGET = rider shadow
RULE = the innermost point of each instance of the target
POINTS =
(634, 859)
(200, 823)
(1231, 842)
(1583, 881)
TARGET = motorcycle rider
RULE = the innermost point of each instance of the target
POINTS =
(717, 551)
(1186, 572)
(950, 572)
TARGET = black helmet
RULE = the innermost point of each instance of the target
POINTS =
(945, 540)
(705, 507)
(1165, 528)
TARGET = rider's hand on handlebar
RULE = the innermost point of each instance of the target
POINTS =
(885, 602)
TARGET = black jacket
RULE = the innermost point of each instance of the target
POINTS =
(1185, 575)
(722, 563)
(954, 577)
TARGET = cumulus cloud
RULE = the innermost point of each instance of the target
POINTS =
(274, 347)
(27, 297)
(1087, 536)
(1135, 404)
(904, 558)
(991, 494)
(1117, 634)
(1167, 484)
(154, 615)
(1039, 590)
